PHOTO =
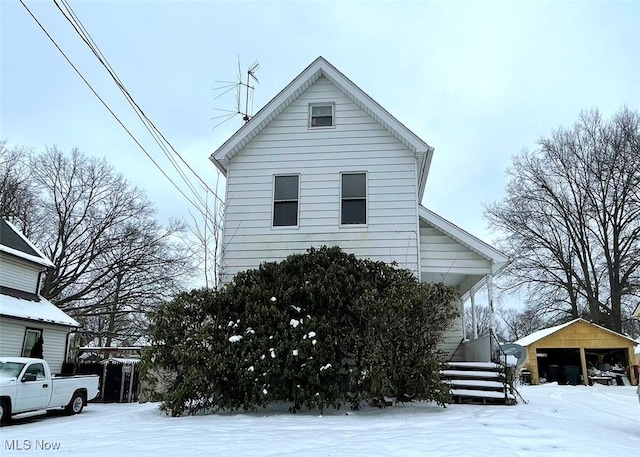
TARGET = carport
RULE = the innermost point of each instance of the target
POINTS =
(564, 354)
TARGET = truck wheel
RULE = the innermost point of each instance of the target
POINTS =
(76, 404)
(5, 412)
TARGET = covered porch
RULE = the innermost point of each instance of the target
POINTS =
(450, 255)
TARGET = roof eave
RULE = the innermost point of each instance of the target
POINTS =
(557, 328)
(424, 172)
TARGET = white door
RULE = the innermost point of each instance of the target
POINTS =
(33, 395)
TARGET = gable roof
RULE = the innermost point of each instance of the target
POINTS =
(498, 260)
(318, 68)
(540, 334)
(13, 242)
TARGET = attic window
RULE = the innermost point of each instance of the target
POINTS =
(321, 115)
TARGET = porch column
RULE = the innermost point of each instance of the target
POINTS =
(492, 314)
(464, 319)
(474, 319)
(494, 347)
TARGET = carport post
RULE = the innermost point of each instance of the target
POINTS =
(583, 362)
(631, 356)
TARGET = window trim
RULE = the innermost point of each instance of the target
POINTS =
(274, 201)
(39, 333)
(320, 127)
(365, 198)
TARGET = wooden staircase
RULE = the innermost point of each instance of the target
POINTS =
(482, 383)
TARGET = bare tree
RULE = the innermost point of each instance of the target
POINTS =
(571, 219)
(522, 322)
(483, 319)
(147, 267)
(114, 261)
(17, 196)
(205, 240)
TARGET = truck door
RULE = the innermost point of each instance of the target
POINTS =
(33, 394)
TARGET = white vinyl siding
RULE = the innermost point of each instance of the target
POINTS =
(452, 338)
(287, 146)
(442, 254)
(19, 274)
(12, 332)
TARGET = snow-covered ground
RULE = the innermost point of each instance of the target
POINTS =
(557, 421)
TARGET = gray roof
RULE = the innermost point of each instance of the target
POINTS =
(13, 242)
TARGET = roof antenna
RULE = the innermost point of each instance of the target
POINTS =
(251, 73)
(239, 86)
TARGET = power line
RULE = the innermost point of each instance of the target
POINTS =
(194, 204)
(75, 22)
(84, 35)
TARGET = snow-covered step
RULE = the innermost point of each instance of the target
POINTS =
(471, 374)
(481, 394)
(478, 383)
(475, 365)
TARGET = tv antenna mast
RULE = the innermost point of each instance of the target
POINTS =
(240, 86)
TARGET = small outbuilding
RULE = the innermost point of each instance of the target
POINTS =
(580, 352)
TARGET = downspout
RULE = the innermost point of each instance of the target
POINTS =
(418, 202)
(221, 275)
(41, 275)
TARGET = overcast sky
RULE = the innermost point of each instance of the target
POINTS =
(479, 81)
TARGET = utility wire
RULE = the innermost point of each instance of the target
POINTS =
(75, 22)
(108, 108)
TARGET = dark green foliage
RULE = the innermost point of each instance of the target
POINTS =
(318, 330)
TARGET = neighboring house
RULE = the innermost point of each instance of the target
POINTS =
(25, 316)
(324, 164)
(565, 352)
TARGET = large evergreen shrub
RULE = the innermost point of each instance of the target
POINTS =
(316, 330)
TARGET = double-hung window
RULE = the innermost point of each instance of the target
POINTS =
(285, 201)
(353, 208)
(321, 115)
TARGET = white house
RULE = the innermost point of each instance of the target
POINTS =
(324, 164)
(25, 316)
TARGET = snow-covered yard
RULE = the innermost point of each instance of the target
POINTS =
(557, 421)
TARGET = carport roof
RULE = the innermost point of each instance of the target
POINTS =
(540, 334)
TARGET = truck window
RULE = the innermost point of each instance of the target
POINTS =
(36, 369)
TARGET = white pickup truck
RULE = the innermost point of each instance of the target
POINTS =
(26, 385)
